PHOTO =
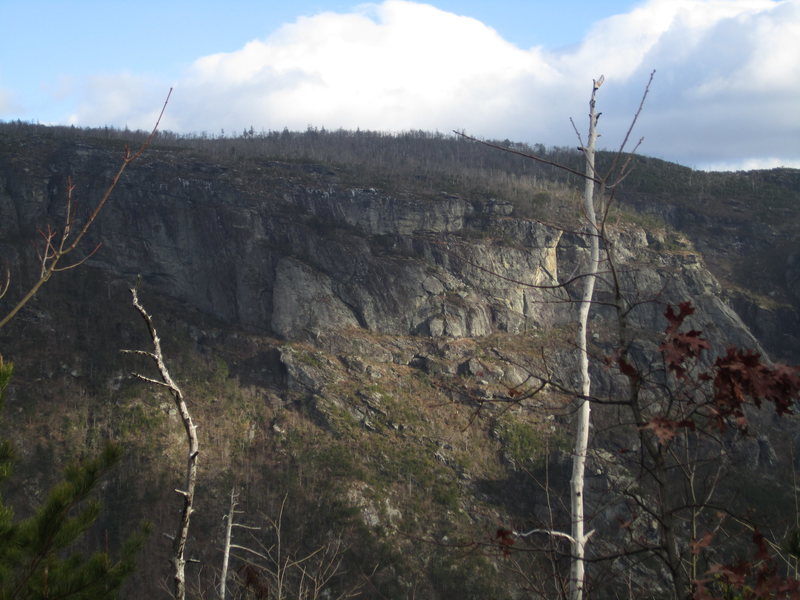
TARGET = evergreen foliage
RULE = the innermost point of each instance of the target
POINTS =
(38, 555)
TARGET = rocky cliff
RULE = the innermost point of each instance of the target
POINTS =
(746, 227)
(289, 249)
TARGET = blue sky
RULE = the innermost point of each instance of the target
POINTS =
(726, 93)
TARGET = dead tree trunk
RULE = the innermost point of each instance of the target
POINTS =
(579, 536)
(598, 194)
(226, 553)
(178, 559)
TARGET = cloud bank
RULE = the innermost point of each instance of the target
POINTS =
(725, 95)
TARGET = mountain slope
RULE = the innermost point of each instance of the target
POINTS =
(355, 335)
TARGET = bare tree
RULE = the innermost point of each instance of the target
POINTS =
(674, 416)
(45, 564)
(226, 551)
(57, 245)
(272, 568)
(178, 559)
(598, 193)
(579, 535)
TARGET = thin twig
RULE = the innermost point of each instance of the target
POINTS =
(51, 254)
(526, 155)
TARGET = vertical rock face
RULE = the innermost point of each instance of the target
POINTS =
(746, 227)
(288, 249)
(303, 300)
(276, 255)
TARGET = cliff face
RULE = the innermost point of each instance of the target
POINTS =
(290, 249)
(365, 338)
(746, 227)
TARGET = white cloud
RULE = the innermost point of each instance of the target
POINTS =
(726, 89)
(8, 104)
(398, 65)
(120, 100)
(753, 164)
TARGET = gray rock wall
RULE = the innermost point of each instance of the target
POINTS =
(288, 249)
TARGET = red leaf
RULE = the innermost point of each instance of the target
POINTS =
(627, 368)
(505, 539)
(741, 376)
(664, 429)
(678, 346)
(761, 544)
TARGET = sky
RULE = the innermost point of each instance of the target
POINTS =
(726, 92)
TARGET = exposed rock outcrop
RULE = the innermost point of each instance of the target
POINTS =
(262, 248)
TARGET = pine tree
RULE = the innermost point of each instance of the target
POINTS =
(38, 557)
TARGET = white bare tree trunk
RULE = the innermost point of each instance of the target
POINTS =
(227, 550)
(579, 536)
(594, 193)
(179, 541)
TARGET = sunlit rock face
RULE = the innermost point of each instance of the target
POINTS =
(291, 250)
(272, 252)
